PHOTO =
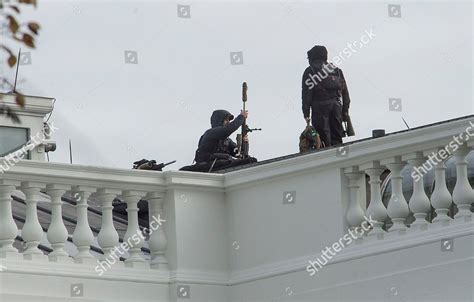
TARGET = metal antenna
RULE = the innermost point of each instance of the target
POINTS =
(70, 151)
(405, 123)
(17, 67)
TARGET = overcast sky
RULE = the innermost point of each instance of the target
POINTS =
(117, 112)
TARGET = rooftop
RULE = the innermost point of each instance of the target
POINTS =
(344, 145)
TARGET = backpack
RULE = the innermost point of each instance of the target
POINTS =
(309, 139)
(327, 76)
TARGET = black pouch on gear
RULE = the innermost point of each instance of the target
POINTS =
(330, 80)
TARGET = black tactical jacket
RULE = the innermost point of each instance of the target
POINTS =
(314, 95)
(216, 139)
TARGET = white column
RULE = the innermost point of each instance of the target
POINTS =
(158, 241)
(376, 210)
(32, 231)
(419, 202)
(441, 198)
(108, 237)
(133, 237)
(83, 237)
(57, 232)
(463, 195)
(355, 212)
(8, 227)
(397, 208)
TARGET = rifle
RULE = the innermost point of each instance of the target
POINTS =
(160, 167)
(243, 147)
(145, 164)
(349, 129)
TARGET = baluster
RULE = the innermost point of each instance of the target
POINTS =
(57, 233)
(108, 237)
(133, 236)
(463, 195)
(397, 208)
(419, 202)
(470, 144)
(355, 212)
(32, 231)
(158, 241)
(441, 198)
(376, 210)
(83, 237)
(8, 227)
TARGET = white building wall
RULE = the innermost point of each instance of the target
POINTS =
(269, 231)
(420, 273)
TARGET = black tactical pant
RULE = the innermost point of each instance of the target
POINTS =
(327, 119)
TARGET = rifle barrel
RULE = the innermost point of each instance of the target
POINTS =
(171, 162)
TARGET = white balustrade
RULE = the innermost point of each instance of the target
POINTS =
(83, 237)
(441, 198)
(419, 202)
(32, 232)
(355, 212)
(8, 227)
(133, 237)
(69, 237)
(57, 232)
(397, 208)
(108, 237)
(376, 209)
(158, 241)
(420, 162)
(463, 195)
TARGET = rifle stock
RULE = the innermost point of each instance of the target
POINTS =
(349, 131)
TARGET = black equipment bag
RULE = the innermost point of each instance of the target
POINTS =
(327, 76)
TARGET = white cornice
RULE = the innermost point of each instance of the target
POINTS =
(199, 277)
(34, 106)
(73, 270)
(57, 173)
(195, 180)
